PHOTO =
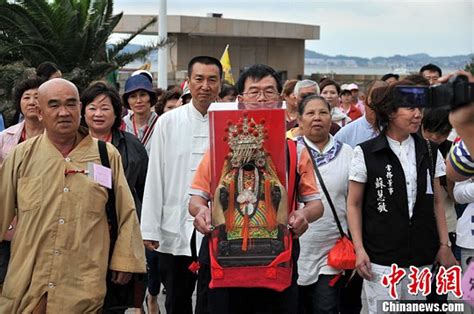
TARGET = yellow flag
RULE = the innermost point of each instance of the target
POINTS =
(225, 61)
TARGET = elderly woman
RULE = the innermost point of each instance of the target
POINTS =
(139, 96)
(395, 209)
(315, 293)
(25, 98)
(101, 108)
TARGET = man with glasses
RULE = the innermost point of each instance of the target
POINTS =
(258, 86)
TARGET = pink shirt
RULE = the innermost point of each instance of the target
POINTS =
(9, 138)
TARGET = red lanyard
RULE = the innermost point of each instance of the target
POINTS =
(23, 135)
(135, 131)
(108, 138)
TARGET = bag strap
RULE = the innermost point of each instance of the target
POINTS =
(149, 131)
(193, 246)
(323, 186)
(293, 177)
(432, 164)
(110, 206)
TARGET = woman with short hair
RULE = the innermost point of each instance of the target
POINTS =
(394, 208)
(25, 98)
(140, 97)
(101, 113)
(316, 294)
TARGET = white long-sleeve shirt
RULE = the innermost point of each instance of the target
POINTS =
(178, 144)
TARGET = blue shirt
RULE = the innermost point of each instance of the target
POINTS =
(356, 132)
(2, 124)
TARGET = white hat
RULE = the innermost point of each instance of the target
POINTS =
(353, 86)
(345, 87)
(144, 73)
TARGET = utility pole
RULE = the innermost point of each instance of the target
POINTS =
(162, 51)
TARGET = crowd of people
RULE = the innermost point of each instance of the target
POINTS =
(398, 179)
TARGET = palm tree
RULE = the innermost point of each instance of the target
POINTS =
(71, 33)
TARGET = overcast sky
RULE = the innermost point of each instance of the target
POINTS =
(351, 27)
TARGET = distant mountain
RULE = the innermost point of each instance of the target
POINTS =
(409, 61)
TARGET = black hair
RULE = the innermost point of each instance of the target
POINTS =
(436, 120)
(204, 60)
(228, 89)
(102, 88)
(257, 72)
(46, 69)
(303, 102)
(385, 101)
(329, 82)
(21, 88)
(418, 79)
(431, 67)
(390, 75)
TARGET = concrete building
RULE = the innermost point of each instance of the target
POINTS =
(280, 45)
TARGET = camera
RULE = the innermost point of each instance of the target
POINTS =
(457, 92)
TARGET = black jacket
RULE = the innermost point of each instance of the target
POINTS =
(135, 164)
(391, 236)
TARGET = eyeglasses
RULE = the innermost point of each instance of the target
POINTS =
(268, 93)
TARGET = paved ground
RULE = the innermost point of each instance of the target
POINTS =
(161, 302)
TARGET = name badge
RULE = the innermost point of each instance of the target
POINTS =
(100, 174)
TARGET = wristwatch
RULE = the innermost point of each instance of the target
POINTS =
(448, 244)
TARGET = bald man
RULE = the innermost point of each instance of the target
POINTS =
(60, 250)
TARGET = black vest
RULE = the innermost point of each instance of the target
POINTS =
(390, 236)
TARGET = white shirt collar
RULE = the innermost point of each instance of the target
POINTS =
(328, 146)
(195, 113)
(404, 143)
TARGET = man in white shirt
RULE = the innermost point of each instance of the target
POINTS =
(180, 140)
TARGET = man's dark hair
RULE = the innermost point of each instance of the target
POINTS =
(390, 75)
(257, 72)
(431, 67)
(23, 86)
(204, 60)
(102, 88)
(436, 120)
(418, 79)
(46, 69)
(228, 89)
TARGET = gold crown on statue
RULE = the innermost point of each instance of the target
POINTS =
(246, 139)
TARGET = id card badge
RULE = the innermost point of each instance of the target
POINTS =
(100, 174)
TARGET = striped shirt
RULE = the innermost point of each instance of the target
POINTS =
(461, 159)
